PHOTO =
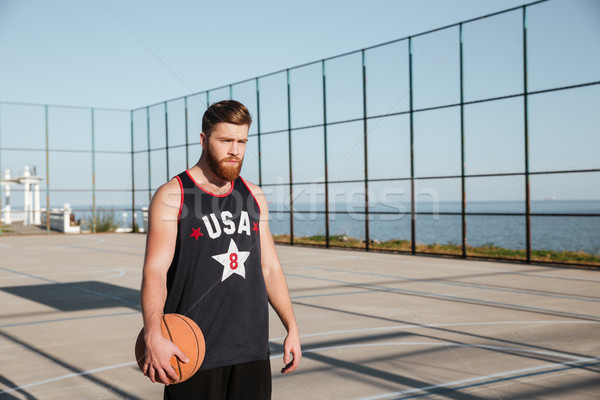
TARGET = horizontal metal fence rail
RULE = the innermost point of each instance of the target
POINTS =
(408, 112)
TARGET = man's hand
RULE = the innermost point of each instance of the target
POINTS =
(291, 345)
(157, 362)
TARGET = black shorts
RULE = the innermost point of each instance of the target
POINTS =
(234, 382)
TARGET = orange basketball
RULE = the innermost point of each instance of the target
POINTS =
(184, 332)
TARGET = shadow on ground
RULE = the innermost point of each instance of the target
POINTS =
(78, 296)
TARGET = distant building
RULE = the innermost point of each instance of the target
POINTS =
(31, 213)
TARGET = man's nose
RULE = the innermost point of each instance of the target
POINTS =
(234, 149)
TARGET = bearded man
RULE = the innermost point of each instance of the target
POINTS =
(210, 256)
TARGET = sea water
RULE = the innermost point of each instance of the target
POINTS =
(575, 233)
(558, 233)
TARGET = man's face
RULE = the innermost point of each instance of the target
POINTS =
(225, 149)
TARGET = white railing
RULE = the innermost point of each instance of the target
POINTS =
(15, 215)
(60, 220)
(145, 218)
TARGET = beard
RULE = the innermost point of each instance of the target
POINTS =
(221, 169)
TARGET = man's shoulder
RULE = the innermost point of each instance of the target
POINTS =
(168, 194)
(258, 195)
(255, 189)
(172, 185)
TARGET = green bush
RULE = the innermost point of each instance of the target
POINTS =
(5, 229)
(106, 221)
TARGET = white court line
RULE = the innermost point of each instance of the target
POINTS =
(117, 273)
(478, 379)
(58, 378)
(446, 325)
(49, 321)
(448, 297)
(438, 344)
(561, 355)
(471, 380)
(531, 378)
(411, 263)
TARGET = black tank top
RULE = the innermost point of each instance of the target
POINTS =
(216, 277)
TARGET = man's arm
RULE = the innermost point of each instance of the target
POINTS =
(277, 289)
(160, 248)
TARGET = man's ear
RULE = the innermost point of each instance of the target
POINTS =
(203, 141)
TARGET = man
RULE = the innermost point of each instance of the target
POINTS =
(210, 256)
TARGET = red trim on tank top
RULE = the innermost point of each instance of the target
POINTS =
(206, 191)
(181, 202)
(245, 184)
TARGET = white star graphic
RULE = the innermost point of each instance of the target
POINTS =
(232, 261)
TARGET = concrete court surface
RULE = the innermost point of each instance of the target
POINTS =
(374, 326)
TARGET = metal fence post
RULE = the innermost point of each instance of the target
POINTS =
(133, 230)
(325, 154)
(258, 133)
(462, 148)
(47, 171)
(289, 118)
(187, 141)
(93, 175)
(526, 134)
(149, 163)
(413, 215)
(167, 139)
(365, 150)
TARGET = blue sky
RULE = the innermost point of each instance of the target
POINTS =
(126, 54)
(130, 54)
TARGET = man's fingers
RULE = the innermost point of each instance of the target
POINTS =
(291, 364)
(172, 375)
(151, 373)
(160, 375)
(182, 357)
(286, 357)
(295, 361)
(165, 375)
(289, 367)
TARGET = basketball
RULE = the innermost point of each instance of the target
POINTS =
(184, 332)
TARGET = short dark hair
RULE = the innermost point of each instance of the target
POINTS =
(227, 111)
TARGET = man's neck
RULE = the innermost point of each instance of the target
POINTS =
(205, 177)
